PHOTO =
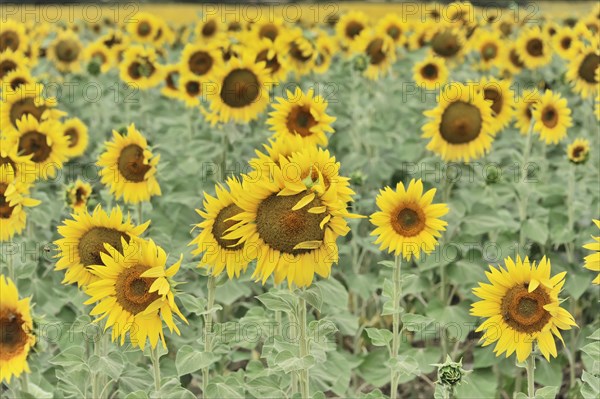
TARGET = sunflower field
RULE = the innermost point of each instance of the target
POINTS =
(299, 201)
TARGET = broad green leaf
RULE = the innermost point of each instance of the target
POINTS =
(189, 360)
(379, 337)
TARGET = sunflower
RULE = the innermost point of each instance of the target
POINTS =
(565, 43)
(16, 325)
(512, 64)
(489, 48)
(134, 292)
(208, 29)
(218, 253)
(83, 239)
(269, 28)
(242, 91)
(129, 168)
(17, 78)
(349, 27)
(326, 48)
(502, 99)
(461, 125)
(522, 306)
(77, 137)
(448, 42)
(302, 115)
(99, 57)
(407, 222)
(144, 28)
(140, 67)
(11, 61)
(66, 51)
(190, 89)
(524, 109)
(12, 36)
(28, 99)
(292, 236)
(301, 51)
(19, 165)
(552, 117)
(533, 48)
(592, 261)
(201, 59)
(14, 197)
(578, 151)
(395, 27)
(430, 73)
(77, 196)
(43, 141)
(171, 80)
(582, 71)
(379, 50)
(272, 53)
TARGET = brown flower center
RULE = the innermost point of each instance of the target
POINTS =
(375, 51)
(144, 29)
(6, 66)
(24, 107)
(524, 311)
(234, 26)
(549, 117)
(200, 63)
(9, 40)
(587, 69)
(461, 123)
(5, 209)
(300, 120)
(73, 137)
(170, 80)
(17, 82)
(408, 220)
(565, 43)
(67, 50)
(192, 88)
(141, 68)
(496, 97)
(353, 29)
(9, 162)
(222, 224)
(35, 143)
(209, 28)
(240, 88)
(132, 291)
(91, 244)
(445, 44)
(272, 64)
(578, 151)
(282, 228)
(99, 57)
(297, 54)
(131, 163)
(13, 337)
(514, 59)
(489, 51)
(535, 47)
(269, 31)
(430, 71)
(80, 196)
(394, 32)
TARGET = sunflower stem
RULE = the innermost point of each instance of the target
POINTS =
(23, 381)
(208, 324)
(225, 148)
(303, 347)
(525, 190)
(10, 270)
(397, 295)
(139, 212)
(571, 210)
(156, 367)
(530, 368)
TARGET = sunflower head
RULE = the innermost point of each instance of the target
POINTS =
(66, 51)
(11, 61)
(552, 117)
(14, 198)
(431, 73)
(407, 222)
(592, 261)
(77, 195)
(583, 69)
(521, 306)
(12, 36)
(578, 151)
(16, 326)
(76, 134)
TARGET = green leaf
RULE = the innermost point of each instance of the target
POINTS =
(404, 365)
(189, 360)
(415, 322)
(379, 337)
(137, 395)
(536, 231)
(278, 300)
(288, 362)
(546, 393)
(313, 296)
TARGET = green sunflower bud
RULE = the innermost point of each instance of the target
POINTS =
(360, 62)
(93, 68)
(450, 374)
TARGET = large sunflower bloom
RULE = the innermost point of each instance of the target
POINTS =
(552, 117)
(10, 62)
(66, 51)
(13, 36)
(303, 115)
(407, 222)
(431, 73)
(533, 48)
(522, 307)
(592, 261)
(16, 325)
(129, 168)
(582, 70)
(219, 253)
(14, 197)
(83, 239)
(461, 125)
(134, 292)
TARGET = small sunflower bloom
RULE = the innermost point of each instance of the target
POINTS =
(592, 261)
